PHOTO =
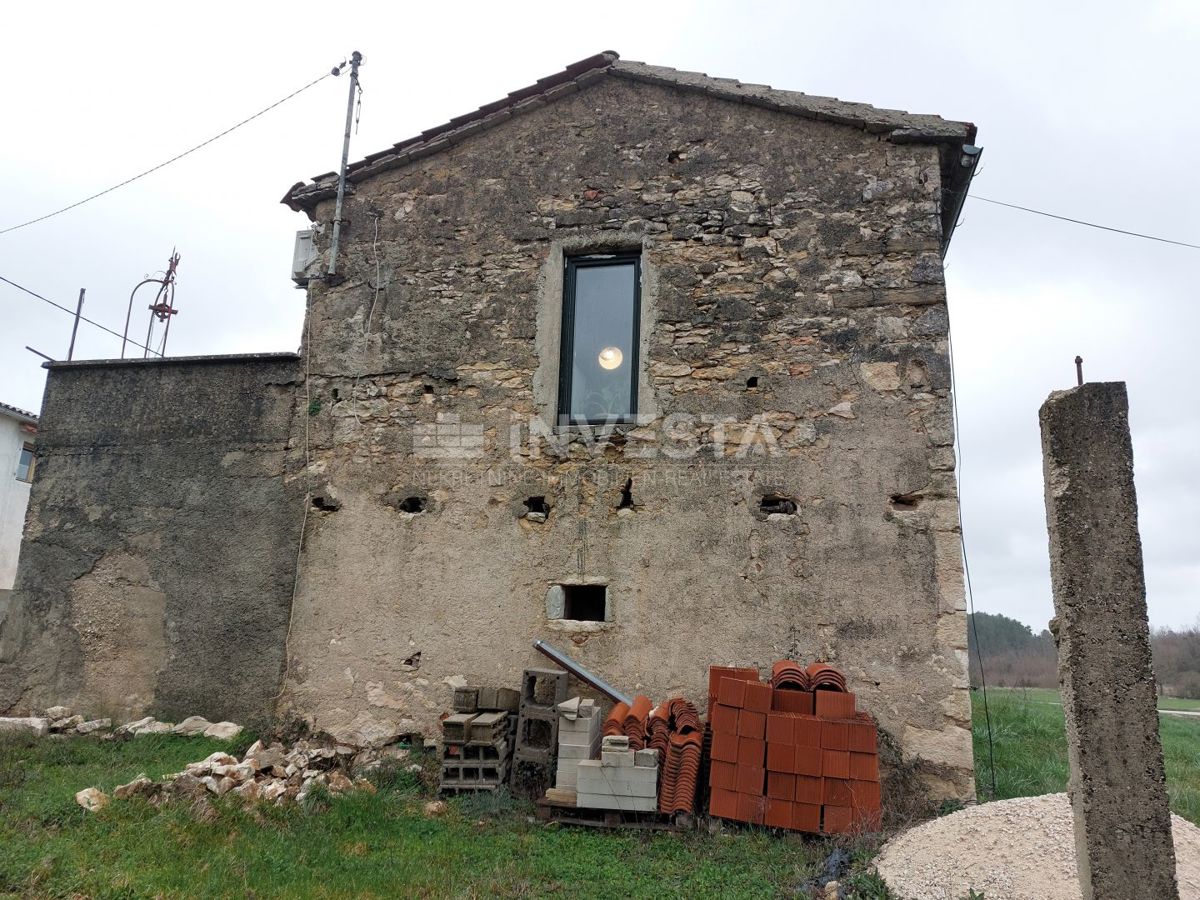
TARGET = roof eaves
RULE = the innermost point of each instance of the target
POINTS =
(303, 197)
(15, 412)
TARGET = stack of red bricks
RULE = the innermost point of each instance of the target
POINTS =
(790, 756)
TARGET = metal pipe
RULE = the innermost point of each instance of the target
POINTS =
(581, 673)
(75, 327)
(355, 60)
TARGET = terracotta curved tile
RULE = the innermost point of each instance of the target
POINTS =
(615, 722)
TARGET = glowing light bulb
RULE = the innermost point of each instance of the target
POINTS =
(611, 357)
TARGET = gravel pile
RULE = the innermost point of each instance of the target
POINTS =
(1008, 850)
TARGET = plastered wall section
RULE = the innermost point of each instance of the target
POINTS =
(794, 335)
(14, 498)
(156, 572)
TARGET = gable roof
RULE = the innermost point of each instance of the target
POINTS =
(892, 125)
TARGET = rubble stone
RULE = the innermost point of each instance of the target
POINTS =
(36, 727)
(92, 799)
(192, 725)
(223, 731)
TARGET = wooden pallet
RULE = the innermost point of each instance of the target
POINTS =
(567, 814)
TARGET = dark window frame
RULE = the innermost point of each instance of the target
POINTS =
(567, 343)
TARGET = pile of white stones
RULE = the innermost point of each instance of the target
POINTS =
(269, 774)
(61, 720)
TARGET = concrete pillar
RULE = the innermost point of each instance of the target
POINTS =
(1118, 787)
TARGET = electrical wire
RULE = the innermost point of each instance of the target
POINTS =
(171, 160)
(1038, 212)
(71, 313)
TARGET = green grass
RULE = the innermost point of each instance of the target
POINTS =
(1030, 746)
(361, 845)
(383, 844)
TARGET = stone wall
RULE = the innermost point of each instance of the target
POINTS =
(159, 556)
(793, 341)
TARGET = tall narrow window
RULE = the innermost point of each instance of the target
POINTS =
(25, 463)
(598, 371)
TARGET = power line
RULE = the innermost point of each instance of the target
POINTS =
(1038, 212)
(172, 159)
(71, 312)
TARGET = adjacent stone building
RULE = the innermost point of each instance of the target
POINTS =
(648, 364)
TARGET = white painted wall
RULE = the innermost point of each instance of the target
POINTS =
(14, 496)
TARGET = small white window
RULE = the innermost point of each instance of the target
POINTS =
(26, 463)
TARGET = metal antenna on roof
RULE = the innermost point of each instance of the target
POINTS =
(355, 62)
(162, 309)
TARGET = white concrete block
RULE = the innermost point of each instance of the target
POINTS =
(626, 804)
(617, 758)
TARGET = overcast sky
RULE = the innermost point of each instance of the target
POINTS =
(1090, 114)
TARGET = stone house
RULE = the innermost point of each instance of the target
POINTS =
(647, 364)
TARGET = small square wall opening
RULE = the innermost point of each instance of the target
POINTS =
(585, 602)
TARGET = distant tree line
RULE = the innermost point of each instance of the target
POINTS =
(1014, 656)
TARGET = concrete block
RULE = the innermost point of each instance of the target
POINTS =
(625, 804)
(615, 742)
(645, 758)
(570, 751)
(618, 758)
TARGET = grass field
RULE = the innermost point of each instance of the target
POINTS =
(1030, 748)
(384, 845)
(361, 845)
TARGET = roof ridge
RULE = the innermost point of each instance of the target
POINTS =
(898, 125)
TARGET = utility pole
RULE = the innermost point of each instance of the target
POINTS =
(75, 327)
(355, 62)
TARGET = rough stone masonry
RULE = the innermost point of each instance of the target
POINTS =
(1118, 786)
(786, 491)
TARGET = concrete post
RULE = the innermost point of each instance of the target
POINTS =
(1118, 788)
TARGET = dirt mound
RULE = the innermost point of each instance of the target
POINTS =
(1008, 850)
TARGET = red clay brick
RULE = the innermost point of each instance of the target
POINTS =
(752, 724)
(780, 729)
(779, 813)
(806, 731)
(725, 747)
(781, 786)
(835, 763)
(723, 775)
(751, 808)
(806, 817)
(809, 789)
(751, 780)
(723, 803)
(809, 761)
(833, 705)
(792, 702)
(862, 737)
(867, 794)
(837, 792)
(732, 692)
(864, 766)
(835, 736)
(781, 757)
(836, 819)
(751, 753)
(758, 697)
(716, 673)
(724, 719)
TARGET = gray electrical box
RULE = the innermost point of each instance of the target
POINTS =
(303, 255)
